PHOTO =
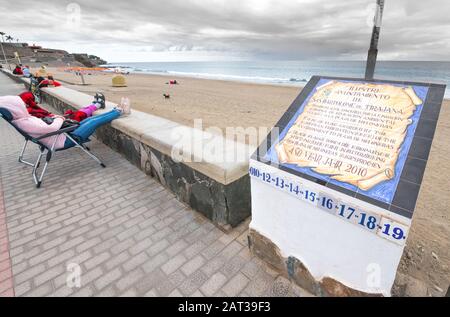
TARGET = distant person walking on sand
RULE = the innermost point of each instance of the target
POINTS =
(18, 70)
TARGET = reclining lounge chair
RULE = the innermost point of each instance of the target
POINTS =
(45, 150)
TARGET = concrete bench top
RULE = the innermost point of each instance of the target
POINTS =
(211, 152)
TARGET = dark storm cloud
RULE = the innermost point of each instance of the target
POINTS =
(262, 28)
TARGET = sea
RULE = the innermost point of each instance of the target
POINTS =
(296, 73)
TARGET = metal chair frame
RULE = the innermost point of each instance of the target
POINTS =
(47, 151)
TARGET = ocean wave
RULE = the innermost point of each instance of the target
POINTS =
(159, 71)
(261, 79)
(295, 73)
(116, 66)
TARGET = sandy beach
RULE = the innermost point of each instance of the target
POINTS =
(218, 103)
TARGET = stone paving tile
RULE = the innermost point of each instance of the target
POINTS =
(213, 265)
(173, 264)
(150, 281)
(108, 278)
(175, 293)
(233, 266)
(235, 285)
(213, 284)
(156, 262)
(192, 266)
(152, 293)
(128, 234)
(193, 283)
(197, 294)
(6, 272)
(194, 249)
(280, 288)
(259, 284)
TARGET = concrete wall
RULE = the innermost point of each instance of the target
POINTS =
(323, 253)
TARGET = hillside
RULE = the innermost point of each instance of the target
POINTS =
(33, 54)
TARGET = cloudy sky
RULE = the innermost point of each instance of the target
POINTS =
(185, 30)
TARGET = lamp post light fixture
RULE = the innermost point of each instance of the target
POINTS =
(373, 50)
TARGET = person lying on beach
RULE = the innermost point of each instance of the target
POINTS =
(49, 82)
(79, 115)
(36, 127)
(18, 70)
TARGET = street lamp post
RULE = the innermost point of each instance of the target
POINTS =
(3, 51)
(373, 50)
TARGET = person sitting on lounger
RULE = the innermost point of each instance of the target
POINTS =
(79, 115)
(18, 70)
(36, 127)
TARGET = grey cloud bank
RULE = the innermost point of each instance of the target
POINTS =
(245, 29)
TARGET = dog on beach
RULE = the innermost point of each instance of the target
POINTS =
(166, 96)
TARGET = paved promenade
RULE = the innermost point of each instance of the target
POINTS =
(126, 232)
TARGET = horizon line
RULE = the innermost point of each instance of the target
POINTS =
(280, 60)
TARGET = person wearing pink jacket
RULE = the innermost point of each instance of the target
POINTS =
(33, 126)
(36, 127)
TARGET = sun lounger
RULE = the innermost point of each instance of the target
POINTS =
(45, 150)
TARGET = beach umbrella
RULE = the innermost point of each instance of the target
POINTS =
(373, 50)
